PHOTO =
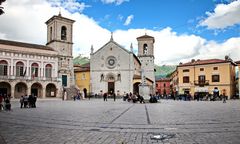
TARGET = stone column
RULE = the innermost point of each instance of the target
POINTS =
(27, 67)
(12, 91)
(28, 90)
(12, 66)
(44, 93)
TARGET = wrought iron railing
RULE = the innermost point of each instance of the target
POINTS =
(27, 78)
(201, 82)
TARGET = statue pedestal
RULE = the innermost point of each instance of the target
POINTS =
(144, 91)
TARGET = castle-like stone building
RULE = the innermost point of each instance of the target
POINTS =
(41, 70)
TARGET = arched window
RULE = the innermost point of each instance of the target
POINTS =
(63, 33)
(110, 78)
(3, 68)
(101, 77)
(48, 71)
(20, 69)
(34, 70)
(145, 49)
(119, 77)
(51, 33)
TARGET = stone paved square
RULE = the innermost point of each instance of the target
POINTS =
(97, 122)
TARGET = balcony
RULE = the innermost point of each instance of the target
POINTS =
(201, 82)
(28, 78)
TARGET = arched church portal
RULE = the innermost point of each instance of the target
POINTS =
(136, 87)
(111, 83)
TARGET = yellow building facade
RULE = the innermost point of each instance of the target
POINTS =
(205, 76)
(238, 78)
(82, 77)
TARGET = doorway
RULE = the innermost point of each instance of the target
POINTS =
(34, 92)
(64, 80)
(136, 87)
(111, 87)
(3, 91)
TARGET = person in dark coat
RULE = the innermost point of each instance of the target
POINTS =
(25, 101)
(7, 104)
(30, 101)
(34, 100)
(105, 97)
(114, 96)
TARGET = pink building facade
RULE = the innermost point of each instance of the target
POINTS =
(163, 86)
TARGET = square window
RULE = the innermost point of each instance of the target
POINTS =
(215, 78)
(215, 68)
(186, 79)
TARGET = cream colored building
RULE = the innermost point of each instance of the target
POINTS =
(115, 69)
(203, 76)
(41, 70)
(238, 83)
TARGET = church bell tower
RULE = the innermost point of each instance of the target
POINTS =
(59, 37)
(146, 57)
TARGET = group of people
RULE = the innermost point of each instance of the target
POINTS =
(28, 101)
(111, 94)
(5, 102)
(81, 95)
(133, 98)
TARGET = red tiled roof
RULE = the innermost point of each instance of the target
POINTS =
(26, 45)
(237, 62)
(163, 79)
(203, 62)
(145, 36)
(82, 68)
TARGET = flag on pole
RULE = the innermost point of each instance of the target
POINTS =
(24, 73)
(33, 73)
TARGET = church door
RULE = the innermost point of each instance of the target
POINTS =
(110, 87)
(136, 87)
(64, 80)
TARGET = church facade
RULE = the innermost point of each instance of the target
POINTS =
(113, 69)
(41, 70)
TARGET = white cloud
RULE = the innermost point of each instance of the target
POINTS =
(118, 2)
(120, 17)
(224, 15)
(128, 20)
(25, 21)
(70, 5)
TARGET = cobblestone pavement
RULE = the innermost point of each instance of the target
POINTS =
(99, 122)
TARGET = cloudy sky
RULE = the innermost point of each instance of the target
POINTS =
(183, 29)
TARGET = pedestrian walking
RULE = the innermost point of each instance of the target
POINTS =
(7, 104)
(105, 97)
(21, 102)
(34, 101)
(25, 101)
(114, 96)
(224, 98)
